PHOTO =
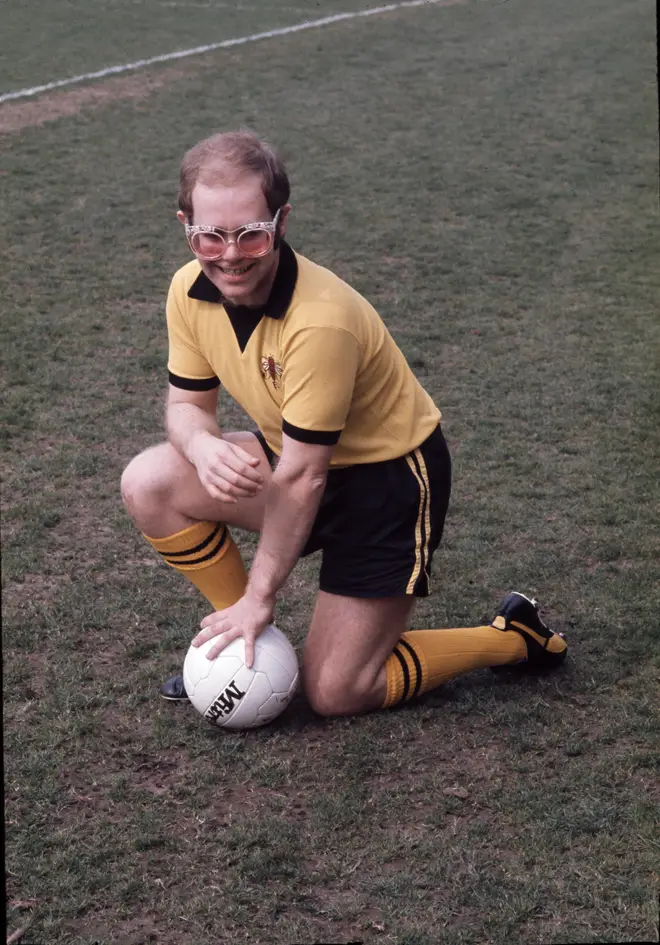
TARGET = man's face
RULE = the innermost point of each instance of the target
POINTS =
(241, 279)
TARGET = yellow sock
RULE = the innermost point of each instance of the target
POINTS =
(208, 557)
(423, 659)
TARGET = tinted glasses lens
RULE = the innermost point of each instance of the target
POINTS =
(208, 244)
(254, 242)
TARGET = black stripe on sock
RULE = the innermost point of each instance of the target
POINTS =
(207, 557)
(418, 666)
(406, 674)
(192, 551)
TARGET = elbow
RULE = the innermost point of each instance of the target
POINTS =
(303, 467)
(316, 479)
(302, 480)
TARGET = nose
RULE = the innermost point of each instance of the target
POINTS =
(231, 252)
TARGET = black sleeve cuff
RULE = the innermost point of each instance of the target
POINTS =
(192, 383)
(320, 437)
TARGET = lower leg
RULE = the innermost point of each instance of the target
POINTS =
(163, 495)
(359, 657)
(206, 554)
(424, 659)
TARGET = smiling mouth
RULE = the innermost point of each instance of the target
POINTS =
(235, 272)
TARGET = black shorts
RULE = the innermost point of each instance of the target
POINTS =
(378, 524)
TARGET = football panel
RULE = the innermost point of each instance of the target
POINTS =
(197, 668)
(246, 715)
(277, 703)
(194, 668)
(204, 689)
(195, 665)
(280, 676)
(293, 687)
(275, 656)
(221, 702)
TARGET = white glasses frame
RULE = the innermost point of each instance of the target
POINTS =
(269, 226)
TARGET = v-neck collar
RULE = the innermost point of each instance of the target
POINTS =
(281, 293)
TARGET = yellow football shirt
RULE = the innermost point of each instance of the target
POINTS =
(317, 362)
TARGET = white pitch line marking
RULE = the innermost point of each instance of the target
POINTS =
(223, 44)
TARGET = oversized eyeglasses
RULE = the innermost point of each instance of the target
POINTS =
(252, 239)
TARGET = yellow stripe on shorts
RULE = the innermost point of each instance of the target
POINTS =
(417, 466)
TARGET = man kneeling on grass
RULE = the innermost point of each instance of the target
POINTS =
(349, 457)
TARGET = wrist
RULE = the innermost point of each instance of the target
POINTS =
(195, 440)
(261, 594)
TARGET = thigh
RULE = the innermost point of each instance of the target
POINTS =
(163, 492)
(348, 642)
(193, 500)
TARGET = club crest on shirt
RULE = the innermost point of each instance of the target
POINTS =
(271, 369)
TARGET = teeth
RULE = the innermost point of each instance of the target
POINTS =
(236, 272)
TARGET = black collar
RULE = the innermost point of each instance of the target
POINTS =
(280, 296)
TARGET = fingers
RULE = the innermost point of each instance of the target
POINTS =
(214, 619)
(241, 462)
(243, 619)
(231, 474)
(244, 455)
(222, 492)
(249, 653)
(239, 476)
(214, 627)
(232, 482)
(213, 624)
(228, 487)
(207, 634)
(224, 640)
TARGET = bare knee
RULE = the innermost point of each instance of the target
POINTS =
(146, 486)
(326, 700)
(332, 695)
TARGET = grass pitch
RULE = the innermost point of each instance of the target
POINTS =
(486, 173)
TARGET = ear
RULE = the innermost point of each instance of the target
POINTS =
(181, 217)
(284, 213)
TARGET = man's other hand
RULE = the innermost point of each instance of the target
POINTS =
(226, 470)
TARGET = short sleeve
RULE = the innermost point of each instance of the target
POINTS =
(319, 368)
(185, 361)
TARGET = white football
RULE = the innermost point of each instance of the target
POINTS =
(229, 694)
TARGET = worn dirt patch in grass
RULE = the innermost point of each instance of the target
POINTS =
(63, 104)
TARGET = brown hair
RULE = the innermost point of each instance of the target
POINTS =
(223, 157)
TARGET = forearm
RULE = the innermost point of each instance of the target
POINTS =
(185, 423)
(291, 506)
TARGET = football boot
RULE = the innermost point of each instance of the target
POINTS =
(545, 649)
(173, 689)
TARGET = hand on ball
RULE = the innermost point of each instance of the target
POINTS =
(247, 618)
